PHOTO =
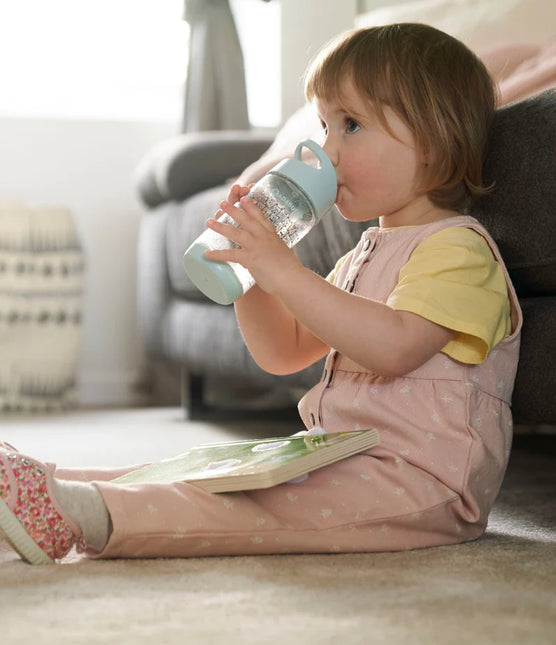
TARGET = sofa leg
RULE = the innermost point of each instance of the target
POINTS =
(192, 388)
(196, 409)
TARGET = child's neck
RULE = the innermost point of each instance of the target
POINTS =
(420, 211)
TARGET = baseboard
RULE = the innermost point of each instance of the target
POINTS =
(111, 389)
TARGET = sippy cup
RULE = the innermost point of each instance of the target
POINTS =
(293, 195)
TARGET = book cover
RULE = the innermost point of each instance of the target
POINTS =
(252, 464)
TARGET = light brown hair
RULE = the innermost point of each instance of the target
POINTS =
(434, 83)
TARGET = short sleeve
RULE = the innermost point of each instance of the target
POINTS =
(453, 279)
(331, 277)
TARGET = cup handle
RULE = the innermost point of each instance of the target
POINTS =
(319, 153)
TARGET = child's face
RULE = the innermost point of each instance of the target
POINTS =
(376, 172)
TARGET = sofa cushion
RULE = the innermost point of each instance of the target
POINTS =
(185, 222)
(519, 211)
(533, 399)
(478, 23)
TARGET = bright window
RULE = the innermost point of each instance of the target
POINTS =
(113, 59)
(258, 24)
(122, 59)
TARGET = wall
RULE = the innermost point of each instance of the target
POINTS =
(306, 26)
(88, 166)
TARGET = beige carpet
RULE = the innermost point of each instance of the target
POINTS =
(499, 589)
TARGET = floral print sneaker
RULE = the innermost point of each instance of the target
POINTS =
(31, 519)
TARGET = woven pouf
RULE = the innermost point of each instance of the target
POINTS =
(41, 292)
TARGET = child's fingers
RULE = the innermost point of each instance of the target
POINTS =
(242, 217)
(234, 193)
(244, 190)
(246, 218)
(237, 214)
(238, 228)
(254, 212)
(237, 192)
(223, 255)
(231, 231)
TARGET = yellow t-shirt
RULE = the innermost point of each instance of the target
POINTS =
(453, 279)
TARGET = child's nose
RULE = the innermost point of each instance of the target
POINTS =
(331, 151)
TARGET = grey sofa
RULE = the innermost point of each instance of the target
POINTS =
(182, 180)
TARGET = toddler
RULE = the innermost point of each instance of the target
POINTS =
(419, 324)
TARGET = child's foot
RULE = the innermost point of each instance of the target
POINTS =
(30, 516)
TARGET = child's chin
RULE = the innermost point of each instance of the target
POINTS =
(345, 212)
(339, 209)
(342, 209)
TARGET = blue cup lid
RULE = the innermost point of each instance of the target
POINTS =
(216, 280)
(319, 184)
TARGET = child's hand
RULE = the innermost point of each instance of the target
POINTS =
(235, 194)
(261, 251)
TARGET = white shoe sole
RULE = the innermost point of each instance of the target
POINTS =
(19, 539)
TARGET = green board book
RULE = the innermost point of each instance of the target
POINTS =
(252, 464)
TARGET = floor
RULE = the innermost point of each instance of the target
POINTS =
(113, 437)
(498, 590)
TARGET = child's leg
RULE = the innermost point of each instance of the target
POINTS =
(31, 518)
(82, 501)
(364, 503)
(359, 504)
(84, 505)
(43, 516)
(93, 474)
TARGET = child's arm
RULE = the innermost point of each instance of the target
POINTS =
(275, 339)
(316, 314)
(381, 339)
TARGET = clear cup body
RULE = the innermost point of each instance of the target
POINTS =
(284, 204)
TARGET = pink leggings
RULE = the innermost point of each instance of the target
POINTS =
(363, 503)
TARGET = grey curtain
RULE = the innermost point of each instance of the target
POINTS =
(215, 95)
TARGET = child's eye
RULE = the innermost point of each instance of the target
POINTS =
(352, 126)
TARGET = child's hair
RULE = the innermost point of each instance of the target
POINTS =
(434, 83)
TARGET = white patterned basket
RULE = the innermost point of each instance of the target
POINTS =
(41, 291)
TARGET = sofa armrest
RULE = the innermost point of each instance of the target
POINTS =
(186, 164)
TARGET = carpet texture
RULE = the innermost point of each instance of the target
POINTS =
(498, 589)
